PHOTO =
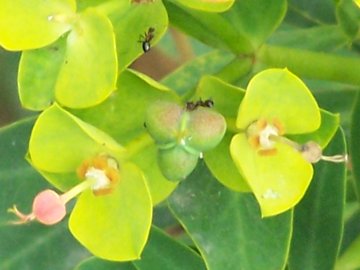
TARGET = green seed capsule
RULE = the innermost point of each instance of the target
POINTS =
(163, 120)
(176, 163)
(207, 128)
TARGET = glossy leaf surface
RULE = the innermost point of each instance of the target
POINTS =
(24, 27)
(355, 145)
(223, 222)
(32, 246)
(311, 246)
(248, 23)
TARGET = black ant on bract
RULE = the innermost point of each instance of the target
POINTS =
(191, 105)
(146, 39)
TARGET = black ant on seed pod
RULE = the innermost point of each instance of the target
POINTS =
(191, 105)
(146, 39)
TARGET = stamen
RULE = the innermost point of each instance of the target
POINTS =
(102, 171)
(264, 137)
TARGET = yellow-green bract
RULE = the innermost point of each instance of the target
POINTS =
(276, 103)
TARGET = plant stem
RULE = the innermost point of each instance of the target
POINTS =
(235, 70)
(312, 65)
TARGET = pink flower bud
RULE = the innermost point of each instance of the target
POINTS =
(48, 208)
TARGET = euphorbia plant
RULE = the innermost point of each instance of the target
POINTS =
(236, 144)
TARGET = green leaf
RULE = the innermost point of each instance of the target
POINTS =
(129, 28)
(350, 259)
(242, 29)
(278, 95)
(94, 263)
(58, 71)
(161, 252)
(355, 145)
(186, 77)
(33, 246)
(306, 13)
(60, 142)
(223, 222)
(320, 214)
(115, 226)
(208, 5)
(33, 24)
(348, 16)
(318, 38)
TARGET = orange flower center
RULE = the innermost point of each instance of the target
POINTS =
(103, 170)
(261, 135)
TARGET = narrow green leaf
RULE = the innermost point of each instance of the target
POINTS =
(186, 77)
(348, 16)
(212, 29)
(320, 38)
(31, 246)
(242, 29)
(355, 145)
(318, 218)
(223, 222)
(306, 13)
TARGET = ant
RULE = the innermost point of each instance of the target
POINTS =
(146, 38)
(191, 105)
